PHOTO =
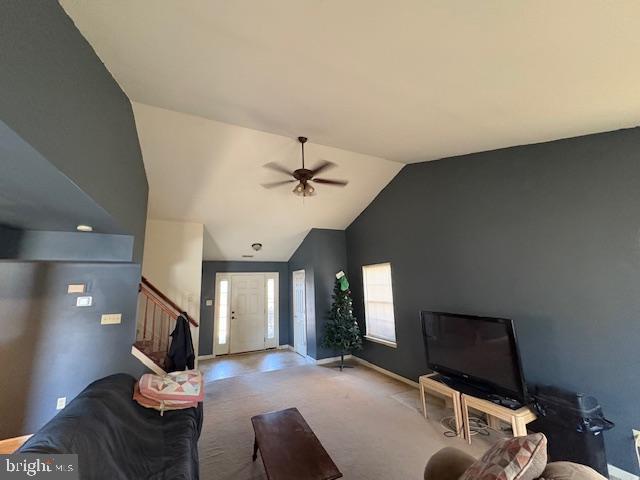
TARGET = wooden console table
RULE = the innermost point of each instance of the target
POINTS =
(289, 448)
(518, 419)
(428, 384)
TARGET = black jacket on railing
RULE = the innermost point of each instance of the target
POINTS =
(181, 354)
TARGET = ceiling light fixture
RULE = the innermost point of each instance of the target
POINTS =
(256, 246)
(84, 228)
(305, 190)
(303, 175)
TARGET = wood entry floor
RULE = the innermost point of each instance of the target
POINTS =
(226, 366)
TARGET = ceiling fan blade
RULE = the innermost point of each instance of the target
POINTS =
(325, 165)
(326, 181)
(278, 168)
(277, 184)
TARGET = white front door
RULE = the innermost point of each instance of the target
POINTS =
(247, 325)
(299, 314)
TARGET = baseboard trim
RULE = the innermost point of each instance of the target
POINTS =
(285, 347)
(206, 357)
(384, 371)
(620, 474)
(324, 361)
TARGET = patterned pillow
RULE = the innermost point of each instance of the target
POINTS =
(519, 458)
(162, 405)
(182, 386)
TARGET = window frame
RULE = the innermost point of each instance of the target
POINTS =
(367, 336)
(275, 341)
(225, 311)
(221, 348)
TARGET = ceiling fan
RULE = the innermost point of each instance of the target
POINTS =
(303, 176)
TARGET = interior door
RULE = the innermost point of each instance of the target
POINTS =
(299, 313)
(247, 325)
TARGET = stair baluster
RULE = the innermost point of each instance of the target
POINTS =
(155, 344)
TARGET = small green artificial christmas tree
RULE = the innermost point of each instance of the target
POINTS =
(341, 330)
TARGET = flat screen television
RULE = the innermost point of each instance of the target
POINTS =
(480, 351)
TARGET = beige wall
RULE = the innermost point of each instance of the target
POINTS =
(173, 263)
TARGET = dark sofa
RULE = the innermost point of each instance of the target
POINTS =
(115, 438)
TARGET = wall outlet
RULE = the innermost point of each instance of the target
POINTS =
(111, 318)
(61, 403)
(209, 302)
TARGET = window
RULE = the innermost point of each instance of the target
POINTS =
(378, 304)
(271, 308)
(223, 312)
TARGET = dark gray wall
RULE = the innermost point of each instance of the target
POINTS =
(56, 94)
(322, 254)
(64, 246)
(209, 270)
(545, 234)
(304, 259)
(35, 195)
(49, 347)
(331, 257)
(57, 97)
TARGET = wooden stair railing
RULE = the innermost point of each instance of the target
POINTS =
(157, 315)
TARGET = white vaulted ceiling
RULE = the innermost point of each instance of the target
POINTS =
(210, 172)
(406, 80)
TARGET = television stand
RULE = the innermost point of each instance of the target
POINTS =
(472, 390)
(429, 384)
(518, 419)
(514, 414)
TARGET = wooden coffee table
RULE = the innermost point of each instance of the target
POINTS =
(289, 448)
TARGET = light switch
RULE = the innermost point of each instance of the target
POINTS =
(84, 301)
(75, 288)
(61, 403)
(111, 318)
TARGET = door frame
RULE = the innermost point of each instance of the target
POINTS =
(227, 276)
(293, 310)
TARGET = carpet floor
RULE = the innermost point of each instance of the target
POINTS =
(369, 424)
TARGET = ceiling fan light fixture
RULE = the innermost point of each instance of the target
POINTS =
(304, 190)
(304, 175)
(309, 190)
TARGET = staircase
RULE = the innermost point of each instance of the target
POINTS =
(157, 315)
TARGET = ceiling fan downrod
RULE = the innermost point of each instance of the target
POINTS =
(302, 141)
